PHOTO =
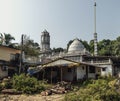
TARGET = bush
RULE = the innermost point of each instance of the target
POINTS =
(0, 87)
(7, 85)
(27, 84)
(96, 90)
(72, 97)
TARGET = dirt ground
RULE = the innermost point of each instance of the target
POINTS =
(38, 97)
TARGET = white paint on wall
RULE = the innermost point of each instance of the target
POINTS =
(81, 72)
(91, 75)
(108, 70)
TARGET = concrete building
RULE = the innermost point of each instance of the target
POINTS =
(9, 58)
(78, 64)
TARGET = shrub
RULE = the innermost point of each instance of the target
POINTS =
(6, 83)
(0, 87)
(27, 84)
(102, 89)
(72, 97)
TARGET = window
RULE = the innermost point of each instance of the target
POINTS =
(103, 69)
(69, 70)
(91, 69)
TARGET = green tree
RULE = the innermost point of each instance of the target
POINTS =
(6, 39)
(91, 45)
(69, 43)
(118, 39)
(86, 45)
(104, 47)
(56, 50)
(117, 46)
(30, 47)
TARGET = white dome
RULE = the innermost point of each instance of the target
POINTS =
(76, 47)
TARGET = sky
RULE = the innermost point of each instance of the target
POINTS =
(65, 20)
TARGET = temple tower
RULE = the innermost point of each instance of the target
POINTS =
(45, 41)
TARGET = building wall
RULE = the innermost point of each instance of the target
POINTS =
(68, 75)
(5, 53)
(3, 73)
(91, 75)
(108, 70)
(81, 72)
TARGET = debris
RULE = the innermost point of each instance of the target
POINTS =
(10, 91)
(59, 88)
(46, 93)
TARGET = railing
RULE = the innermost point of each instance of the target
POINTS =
(98, 62)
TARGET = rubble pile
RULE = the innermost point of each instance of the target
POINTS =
(11, 91)
(59, 88)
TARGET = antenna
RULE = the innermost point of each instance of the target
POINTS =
(95, 16)
(95, 33)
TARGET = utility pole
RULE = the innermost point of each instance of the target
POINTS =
(21, 57)
(95, 33)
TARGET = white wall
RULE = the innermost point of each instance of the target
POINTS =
(81, 72)
(91, 75)
(109, 70)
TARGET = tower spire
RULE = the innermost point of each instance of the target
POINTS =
(95, 33)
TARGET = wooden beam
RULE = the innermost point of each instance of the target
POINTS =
(87, 72)
(51, 75)
(61, 73)
(43, 74)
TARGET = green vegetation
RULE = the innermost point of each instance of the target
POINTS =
(0, 87)
(6, 38)
(103, 89)
(106, 47)
(27, 84)
(24, 84)
(6, 84)
(30, 47)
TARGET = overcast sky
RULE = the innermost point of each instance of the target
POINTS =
(63, 19)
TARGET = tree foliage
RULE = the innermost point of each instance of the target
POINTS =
(30, 47)
(106, 47)
(6, 39)
(56, 50)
